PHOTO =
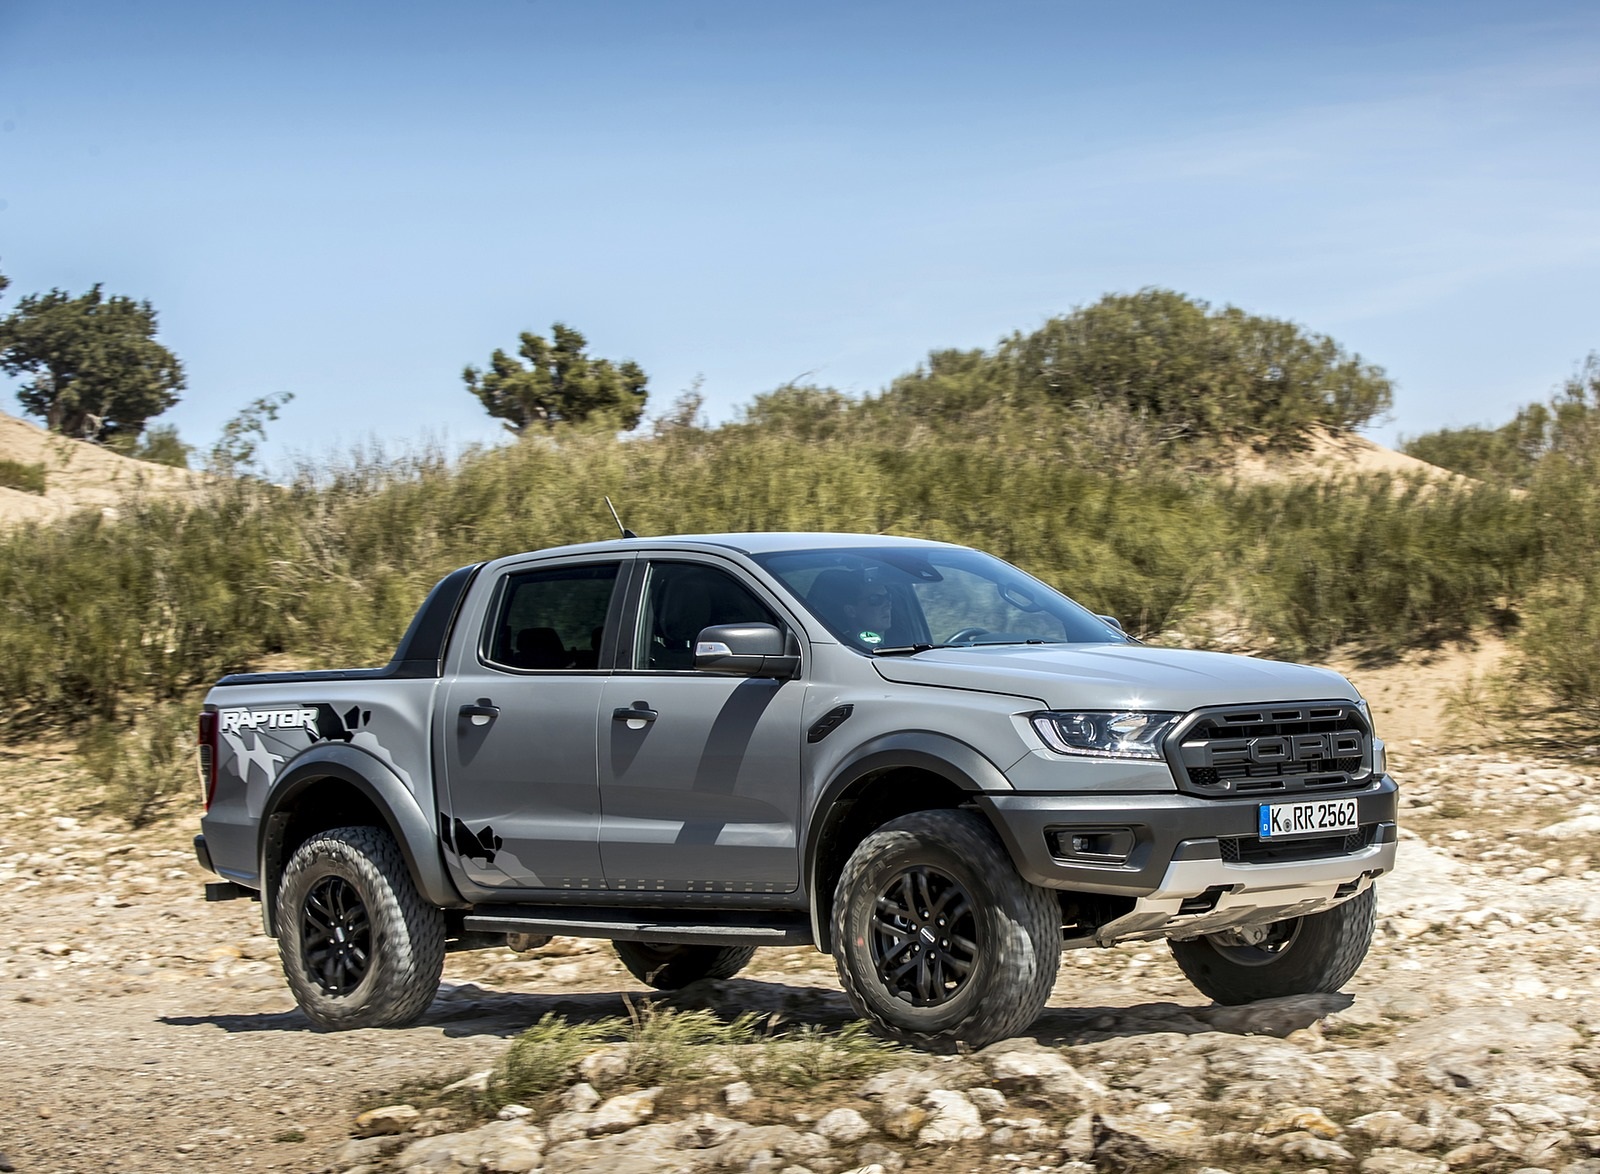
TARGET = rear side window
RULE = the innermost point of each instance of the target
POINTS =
(552, 619)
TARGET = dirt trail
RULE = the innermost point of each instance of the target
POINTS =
(141, 1029)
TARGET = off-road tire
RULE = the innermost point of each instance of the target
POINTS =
(1013, 951)
(1321, 952)
(668, 966)
(395, 974)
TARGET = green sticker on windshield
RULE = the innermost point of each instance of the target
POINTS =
(869, 638)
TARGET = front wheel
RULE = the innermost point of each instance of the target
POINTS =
(938, 940)
(1299, 956)
(360, 946)
(667, 966)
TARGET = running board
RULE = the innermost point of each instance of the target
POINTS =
(641, 925)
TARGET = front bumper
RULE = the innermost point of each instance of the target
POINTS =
(1175, 871)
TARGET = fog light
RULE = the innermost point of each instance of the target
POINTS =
(1091, 845)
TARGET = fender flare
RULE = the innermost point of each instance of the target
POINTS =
(403, 818)
(940, 754)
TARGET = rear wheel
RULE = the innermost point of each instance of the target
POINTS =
(938, 940)
(668, 966)
(360, 947)
(1302, 955)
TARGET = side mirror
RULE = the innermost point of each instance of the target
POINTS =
(1112, 620)
(746, 650)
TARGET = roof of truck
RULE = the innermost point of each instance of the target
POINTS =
(765, 542)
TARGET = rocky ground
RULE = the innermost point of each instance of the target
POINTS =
(141, 1029)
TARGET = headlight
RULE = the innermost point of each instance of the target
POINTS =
(1105, 735)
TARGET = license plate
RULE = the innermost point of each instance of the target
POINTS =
(1324, 818)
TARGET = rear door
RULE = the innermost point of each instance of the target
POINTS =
(699, 773)
(518, 719)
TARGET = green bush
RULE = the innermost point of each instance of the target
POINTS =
(17, 475)
(141, 767)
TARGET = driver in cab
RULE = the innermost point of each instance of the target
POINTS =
(856, 608)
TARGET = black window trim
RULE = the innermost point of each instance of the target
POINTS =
(788, 624)
(615, 610)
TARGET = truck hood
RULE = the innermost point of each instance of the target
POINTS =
(1116, 676)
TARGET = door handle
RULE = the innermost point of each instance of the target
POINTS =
(637, 712)
(482, 713)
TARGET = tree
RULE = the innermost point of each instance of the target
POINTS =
(1190, 370)
(558, 382)
(96, 369)
(236, 449)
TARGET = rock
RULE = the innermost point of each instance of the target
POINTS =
(871, 1168)
(706, 1130)
(1300, 1120)
(649, 1149)
(1308, 1148)
(500, 1147)
(843, 1126)
(368, 1149)
(1528, 1116)
(568, 1126)
(624, 1112)
(1389, 1160)
(903, 1085)
(477, 1082)
(1571, 829)
(514, 1112)
(1467, 1157)
(738, 1094)
(773, 1140)
(1077, 1139)
(954, 1119)
(1388, 1128)
(1134, 1140)
(580, 1098)
(988, 1100)
(1047, 1073)
(903, 1121)
(876, 1154)
(1275, 1017)
(1029, 1133)
(389, 1119)
(605, 1065)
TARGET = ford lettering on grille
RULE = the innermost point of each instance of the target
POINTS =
(1295, 748)
(1255, 749)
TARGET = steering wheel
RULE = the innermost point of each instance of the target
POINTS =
(968, 634)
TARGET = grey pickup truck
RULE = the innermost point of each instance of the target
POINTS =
(908, 754)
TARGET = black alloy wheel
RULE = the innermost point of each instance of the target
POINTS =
(924, 939)
(939, 941)
(360, 946)
(336, 935)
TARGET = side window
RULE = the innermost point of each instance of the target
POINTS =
(680, 599)
(552, 619)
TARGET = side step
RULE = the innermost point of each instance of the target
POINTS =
(702, 928)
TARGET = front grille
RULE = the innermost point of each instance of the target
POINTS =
(1254, 850)
(1272, 749)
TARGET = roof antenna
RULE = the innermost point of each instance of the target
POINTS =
(626, 533)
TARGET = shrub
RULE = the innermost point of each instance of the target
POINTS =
(140, 767)
(17, 475)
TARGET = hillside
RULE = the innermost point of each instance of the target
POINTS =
(1332, 455)
(78, 475)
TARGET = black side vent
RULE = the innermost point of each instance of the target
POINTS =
(829, 722)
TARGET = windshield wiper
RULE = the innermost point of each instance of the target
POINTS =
(908, 649)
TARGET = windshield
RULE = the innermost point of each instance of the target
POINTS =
(880, 599)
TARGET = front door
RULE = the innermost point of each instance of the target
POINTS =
(699, 773)
(519, 718)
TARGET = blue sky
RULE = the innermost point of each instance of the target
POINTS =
(353, 201)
